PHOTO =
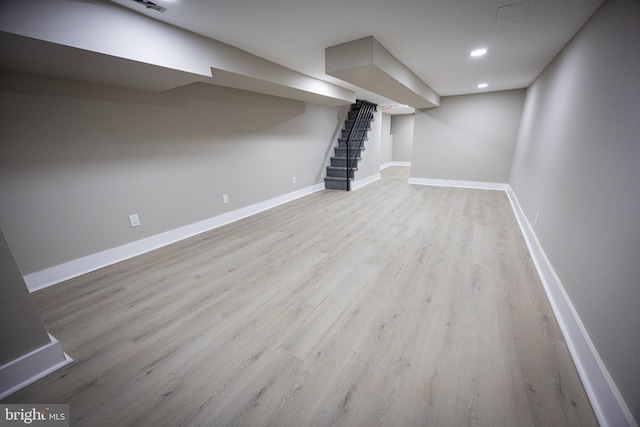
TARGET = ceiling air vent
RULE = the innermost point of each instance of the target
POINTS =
(151, 5)
(514, 11)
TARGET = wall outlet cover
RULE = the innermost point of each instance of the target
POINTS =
(134, 220)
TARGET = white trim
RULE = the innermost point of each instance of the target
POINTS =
(608, 404)
(386, 165)
(368, 180)
(459, 184)
(606, 400)
(390, 164)
(60, 273)
(31, 367)
(405, 164)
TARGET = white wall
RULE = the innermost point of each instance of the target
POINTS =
(577, 163)
(386, 142)
(467, 138)
(402, 137)
(27, 351)
(77, 159)
(21, 329)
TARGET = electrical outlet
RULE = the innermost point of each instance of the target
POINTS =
(225, 198)
(537, 217)
(134, 220)
(294, 179)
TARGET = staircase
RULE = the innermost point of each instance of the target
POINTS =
(350, 146)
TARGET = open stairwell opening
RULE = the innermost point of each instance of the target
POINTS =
(350, 146)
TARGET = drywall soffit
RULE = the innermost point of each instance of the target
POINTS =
(43, 57)
(258, 85)
(37, 56)
(369, 65)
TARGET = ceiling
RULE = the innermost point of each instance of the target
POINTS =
(279, 47)
(433, 38)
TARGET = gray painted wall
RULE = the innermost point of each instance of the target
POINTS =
(386, 141)
(77, 159)
(577, 163)
(21, 329)
(468, 138)
(402, 137)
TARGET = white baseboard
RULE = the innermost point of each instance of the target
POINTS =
(368, 180)
(386, 165)
(390, 164)
(30, 367)
(459, 184)
(608, 405)
(60, 273)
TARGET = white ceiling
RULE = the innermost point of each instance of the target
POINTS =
(431, 37)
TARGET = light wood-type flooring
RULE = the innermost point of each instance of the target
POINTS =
(394, 305)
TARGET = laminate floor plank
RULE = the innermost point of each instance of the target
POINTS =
(393, 304)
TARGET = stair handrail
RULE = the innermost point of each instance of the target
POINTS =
(365, 111)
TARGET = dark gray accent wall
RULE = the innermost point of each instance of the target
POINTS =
(577, 164)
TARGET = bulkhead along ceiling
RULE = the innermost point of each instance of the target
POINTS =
(433, 38)
(288, 47)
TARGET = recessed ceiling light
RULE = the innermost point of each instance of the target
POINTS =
(483, 85)
(478, 52)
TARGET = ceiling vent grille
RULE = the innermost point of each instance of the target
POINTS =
(150, 5)
(514, 11)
